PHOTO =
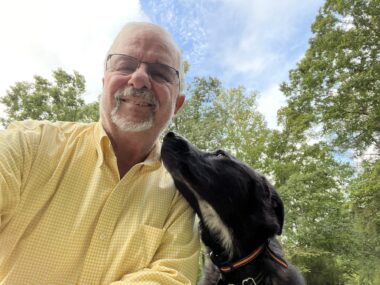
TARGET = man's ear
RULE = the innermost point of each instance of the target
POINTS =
(179, 103)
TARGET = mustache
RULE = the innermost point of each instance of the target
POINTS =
(130, 91)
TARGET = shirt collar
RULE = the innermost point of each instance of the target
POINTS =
(102, 143)
(154, 157)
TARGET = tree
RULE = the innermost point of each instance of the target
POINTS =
(337, 83)
(365, 201)
(335, 88)
(214, 117)
(60, 100)
(318, 230)
(196, 118)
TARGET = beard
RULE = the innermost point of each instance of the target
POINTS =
(123, 122)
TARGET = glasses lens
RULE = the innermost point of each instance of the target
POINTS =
(123, 64)
(162, 73)
(158, 72)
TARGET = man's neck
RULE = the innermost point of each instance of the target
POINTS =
(130, 148)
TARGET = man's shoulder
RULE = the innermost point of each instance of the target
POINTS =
(66, 127)
(47, 132)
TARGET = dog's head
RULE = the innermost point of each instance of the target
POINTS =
(218, 184)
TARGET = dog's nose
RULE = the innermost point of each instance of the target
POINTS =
(170, 135)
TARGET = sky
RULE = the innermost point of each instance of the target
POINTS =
(250, 43)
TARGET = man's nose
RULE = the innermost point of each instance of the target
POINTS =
(140, 77)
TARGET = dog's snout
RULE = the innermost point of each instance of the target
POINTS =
(176, 142)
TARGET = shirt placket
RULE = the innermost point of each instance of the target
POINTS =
(96, 257)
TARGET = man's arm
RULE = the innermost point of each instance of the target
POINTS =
(18, 144)
(13, 147)
(176, 260)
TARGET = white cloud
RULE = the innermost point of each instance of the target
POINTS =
(254, 41)
(269, 102)
(41, 35)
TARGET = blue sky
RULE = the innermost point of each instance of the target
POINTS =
(250, 43)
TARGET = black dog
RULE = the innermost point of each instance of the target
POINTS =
(239, 212)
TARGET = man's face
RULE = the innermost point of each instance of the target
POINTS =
(137, 102)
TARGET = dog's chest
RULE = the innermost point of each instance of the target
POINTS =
(214, 223)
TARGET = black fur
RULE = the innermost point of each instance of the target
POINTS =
(239, 210)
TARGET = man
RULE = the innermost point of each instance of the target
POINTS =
(92, 203)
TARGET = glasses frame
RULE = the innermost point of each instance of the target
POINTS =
(146, 62)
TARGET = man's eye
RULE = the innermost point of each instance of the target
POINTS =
(125, 67)
(159, 76)
(159, 72)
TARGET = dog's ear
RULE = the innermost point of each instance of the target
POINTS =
(275, 203)
(278, 208)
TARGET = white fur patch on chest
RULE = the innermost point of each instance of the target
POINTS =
(213, 222)
(216, 226)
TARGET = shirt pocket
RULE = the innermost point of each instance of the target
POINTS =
(136, 249)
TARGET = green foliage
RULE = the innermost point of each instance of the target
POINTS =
(60, 100)
(318, 235)
(366, 198)
(365, 201)
(214, 117)
(195, 119)
(334, 221)
(337, 83)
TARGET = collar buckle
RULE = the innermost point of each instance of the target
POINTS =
(247, 281)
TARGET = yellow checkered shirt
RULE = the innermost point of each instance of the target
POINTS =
(67, 218)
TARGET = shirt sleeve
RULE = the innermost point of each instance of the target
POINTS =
(15, 160)
(176, 260)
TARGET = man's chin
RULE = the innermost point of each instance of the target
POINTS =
(130, 126)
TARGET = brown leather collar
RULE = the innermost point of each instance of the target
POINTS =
(229, 267)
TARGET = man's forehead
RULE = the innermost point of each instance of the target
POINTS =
(146, 39)
(151, 39)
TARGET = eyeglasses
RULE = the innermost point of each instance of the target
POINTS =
(126, 64)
